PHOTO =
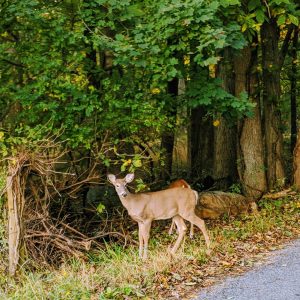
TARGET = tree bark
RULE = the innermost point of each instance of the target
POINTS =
(168, 136)
(271, 92)
(14, 227)
(294, 90)
(201, 144)
(224, 161)
(296, 164)
(250, 142)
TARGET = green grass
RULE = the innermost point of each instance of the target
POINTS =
(117, 273)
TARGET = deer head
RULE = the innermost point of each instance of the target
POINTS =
(120, 184)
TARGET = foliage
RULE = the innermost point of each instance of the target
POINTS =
(256, 12)
(54, 75)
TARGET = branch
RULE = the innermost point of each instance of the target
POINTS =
(285, 46)
(13, 63)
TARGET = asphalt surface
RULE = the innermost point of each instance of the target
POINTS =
(277, 279)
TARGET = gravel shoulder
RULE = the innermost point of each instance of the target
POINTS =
(277, 279)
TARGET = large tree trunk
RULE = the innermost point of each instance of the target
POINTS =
(271, 93)
(250, 143)
(294, 90)
(201, 136)
(201, 144)
(296, 164)
(168, 136)
(224, 161)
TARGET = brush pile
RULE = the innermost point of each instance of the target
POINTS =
(47, 222)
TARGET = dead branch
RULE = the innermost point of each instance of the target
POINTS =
(281, 194)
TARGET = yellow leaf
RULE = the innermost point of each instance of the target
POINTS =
(155, 91)
(225, 263)
(216, 123)
(186, 60)
(257, 26)
(127, 162)
(1, 135)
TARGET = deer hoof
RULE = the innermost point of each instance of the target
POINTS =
(171, 251)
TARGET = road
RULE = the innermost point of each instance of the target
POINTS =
(277, 279)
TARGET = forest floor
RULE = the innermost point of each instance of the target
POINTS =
(115, 272)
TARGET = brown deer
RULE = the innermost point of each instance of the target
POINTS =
(180, 183)
(176, 203)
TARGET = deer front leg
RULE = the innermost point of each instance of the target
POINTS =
(144, 232)
(181, 232)
(141, 239)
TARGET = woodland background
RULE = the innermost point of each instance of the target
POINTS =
(202, 90)
(124, 81)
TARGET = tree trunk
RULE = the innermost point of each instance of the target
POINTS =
(296, 164)
(168, 136)
(201, 144)
(294, 90)
(224, 161)
(201, 135)
(250, 144)
(271, 93)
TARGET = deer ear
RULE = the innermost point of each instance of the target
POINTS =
(111, 178)
(129, 177)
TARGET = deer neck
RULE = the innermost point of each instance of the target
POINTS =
(127, 200)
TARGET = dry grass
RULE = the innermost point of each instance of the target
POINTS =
(117, 273)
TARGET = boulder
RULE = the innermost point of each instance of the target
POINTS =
(214, 204)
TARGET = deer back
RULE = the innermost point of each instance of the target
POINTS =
(163, 204)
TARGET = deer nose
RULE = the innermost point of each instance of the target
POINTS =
(124, 194)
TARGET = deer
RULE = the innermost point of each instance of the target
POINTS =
(180, 183)
(176, 203)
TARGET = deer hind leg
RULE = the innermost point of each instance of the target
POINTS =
(201, 225)
(192, 231)
(181, 232)
(144, 234)
(172, 227)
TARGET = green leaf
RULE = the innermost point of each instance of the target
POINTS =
(260, 16)
(253, 4)
(137, 163)
(100, 208)
(281, 20)
(226, 3)
(294, 19)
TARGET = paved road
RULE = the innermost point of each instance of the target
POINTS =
(278, 279)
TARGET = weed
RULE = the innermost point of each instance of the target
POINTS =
(235, 188)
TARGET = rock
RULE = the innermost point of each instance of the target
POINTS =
(214, 204)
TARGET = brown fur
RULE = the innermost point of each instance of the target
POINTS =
(178, 204)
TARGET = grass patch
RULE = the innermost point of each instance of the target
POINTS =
(117, 273)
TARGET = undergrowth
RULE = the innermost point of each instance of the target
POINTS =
(117, 273)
